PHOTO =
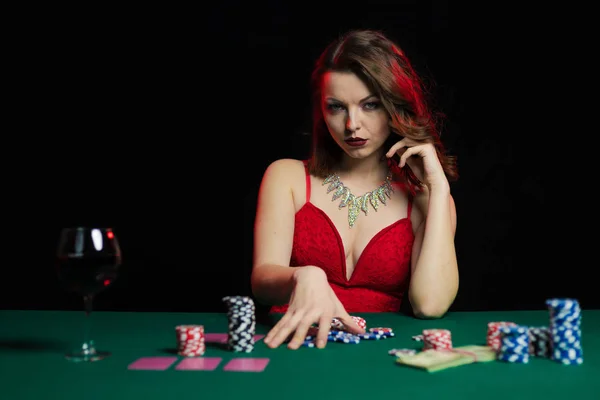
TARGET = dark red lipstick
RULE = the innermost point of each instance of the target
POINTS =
(356, 141)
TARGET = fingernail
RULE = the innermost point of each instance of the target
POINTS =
(320, 344)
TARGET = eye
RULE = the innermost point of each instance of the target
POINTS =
(334, 107)
(372, 105)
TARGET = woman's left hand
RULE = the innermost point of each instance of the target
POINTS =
(425, 164)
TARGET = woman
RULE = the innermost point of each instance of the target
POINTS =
(370, 215)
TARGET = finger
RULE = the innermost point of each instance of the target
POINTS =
(395, 148)
(324, 328)
(350, 324)
(275, 330)
(346, 319)
(401, 151)
(408, 153)
(286, 329)
(277, 326)
(300, 334)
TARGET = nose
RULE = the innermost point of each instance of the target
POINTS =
(352, 123)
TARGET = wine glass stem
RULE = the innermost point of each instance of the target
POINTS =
(88, 345)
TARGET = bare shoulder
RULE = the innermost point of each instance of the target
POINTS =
(286, 174)
(285, 166)
(284, 170)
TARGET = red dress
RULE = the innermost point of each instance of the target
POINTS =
(381, 275)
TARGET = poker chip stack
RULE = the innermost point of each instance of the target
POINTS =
(242, 323)
(437, 339)
(539, 341)
(514, 344)
(493, 334)
(565, 331)
(190, 340)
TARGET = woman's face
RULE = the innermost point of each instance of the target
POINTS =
(355, 117)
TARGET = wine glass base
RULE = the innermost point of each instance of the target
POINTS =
(86, 356)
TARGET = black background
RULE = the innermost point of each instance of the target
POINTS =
(160, 124)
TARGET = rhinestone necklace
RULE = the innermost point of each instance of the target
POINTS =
(358, 203)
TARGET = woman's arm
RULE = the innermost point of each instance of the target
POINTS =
(272, 277)
(434, 269)
(305, 289)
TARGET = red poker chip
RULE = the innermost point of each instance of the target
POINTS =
(381, 330)
(493, 333)
(190, 328)
(360, 321)
(190, 340)
(312, 331)
(437, 339)
(338, 325)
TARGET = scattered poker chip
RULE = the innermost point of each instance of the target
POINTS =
(338, 333)
(337, 324)
(361, 322)
(382, 330)
(341, 336)
(371, 336)
(312, 331)
(402, 352)
(387, 332)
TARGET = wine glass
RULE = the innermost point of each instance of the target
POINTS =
(88, 261)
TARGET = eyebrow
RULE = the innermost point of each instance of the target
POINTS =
(362, 100)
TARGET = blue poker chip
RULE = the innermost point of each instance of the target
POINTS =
(513, 357)
(565, 331)
(371, 336)
(386, 332)
(344, 337)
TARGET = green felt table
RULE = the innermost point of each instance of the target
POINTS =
(32, 344)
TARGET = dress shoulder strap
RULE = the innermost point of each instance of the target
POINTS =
(307, 180)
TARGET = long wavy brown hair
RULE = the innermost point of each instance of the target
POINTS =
(386, 70)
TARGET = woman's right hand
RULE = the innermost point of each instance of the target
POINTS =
(312, 301)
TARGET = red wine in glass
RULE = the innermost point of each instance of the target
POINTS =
(88, 262)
